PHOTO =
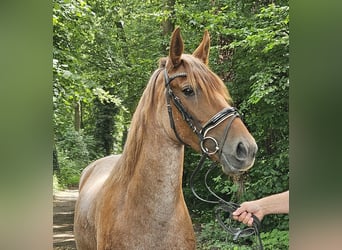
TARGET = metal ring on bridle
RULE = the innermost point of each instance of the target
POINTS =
(205, 149)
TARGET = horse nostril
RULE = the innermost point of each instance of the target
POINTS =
(241, 151)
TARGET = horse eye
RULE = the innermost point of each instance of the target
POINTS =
(188, 91)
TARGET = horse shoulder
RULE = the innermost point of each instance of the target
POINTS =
(98, 170)
(91, 183)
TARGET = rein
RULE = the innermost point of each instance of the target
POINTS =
(222, 205)
(225, 206)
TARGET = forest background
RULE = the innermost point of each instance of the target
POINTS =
(104, 53)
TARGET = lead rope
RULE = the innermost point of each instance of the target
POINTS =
(225, 206)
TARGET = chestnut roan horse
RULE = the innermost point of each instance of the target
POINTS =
(135, 200)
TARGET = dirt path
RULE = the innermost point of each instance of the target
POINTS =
(63, 219)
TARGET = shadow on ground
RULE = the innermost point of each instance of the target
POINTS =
(63, 219)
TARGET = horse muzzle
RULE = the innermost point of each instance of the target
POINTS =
(238, 157)
(234, 147)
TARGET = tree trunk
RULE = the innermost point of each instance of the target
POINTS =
(77, 116)
(168, 25)
(55, 160)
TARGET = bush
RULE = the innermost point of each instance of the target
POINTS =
(70, 172)
(73, 145)
(212, 237)
(275, 239)
(74, 150)
(55, 183)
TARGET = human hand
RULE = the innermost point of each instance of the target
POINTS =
(246, 210)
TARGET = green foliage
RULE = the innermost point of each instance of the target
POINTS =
(104, 113)
(74, 150)
(55, 183)
(212, 236)
(275, 239)
(69, 174)
(74, 146)
(99, 46)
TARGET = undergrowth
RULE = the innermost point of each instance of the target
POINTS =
(213, 237)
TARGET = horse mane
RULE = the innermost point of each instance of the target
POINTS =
(134, 141)
(198, 75)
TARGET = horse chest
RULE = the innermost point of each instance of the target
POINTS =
(159, 237)
(142, 227)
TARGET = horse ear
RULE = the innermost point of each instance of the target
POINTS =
(176, 47)
(202, 51)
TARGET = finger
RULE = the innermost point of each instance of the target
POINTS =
(235, 217)
(242, 216)
(247, 218)
(250, 222)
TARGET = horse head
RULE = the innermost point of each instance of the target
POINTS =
(200, 109)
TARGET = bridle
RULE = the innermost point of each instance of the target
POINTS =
(202, 134)
(202, 131)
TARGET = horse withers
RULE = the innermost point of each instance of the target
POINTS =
(135, 200)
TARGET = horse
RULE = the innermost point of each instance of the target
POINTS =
(135, 200)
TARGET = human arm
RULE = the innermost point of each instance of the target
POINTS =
(273, 204)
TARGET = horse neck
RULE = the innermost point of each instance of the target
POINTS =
(153, 174)
(157, 179)
(151, 166)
